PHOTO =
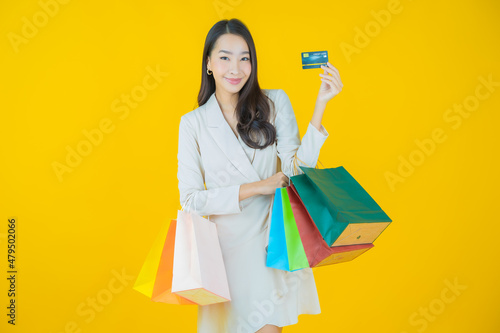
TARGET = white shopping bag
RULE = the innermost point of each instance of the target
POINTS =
(199, 274)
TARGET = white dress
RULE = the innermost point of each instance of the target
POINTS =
(212, 165)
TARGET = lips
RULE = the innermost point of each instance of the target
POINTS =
(233, 81)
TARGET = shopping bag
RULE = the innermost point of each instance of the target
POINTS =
(344, 253)
(155, 277)
(147, 275)
(317, 251)
(199, 274)
(277, 256)
(344, 213)
(285, 250)
(297, 258)
(162, 290)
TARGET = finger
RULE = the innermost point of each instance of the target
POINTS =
(333, 78)
(330, 69)
(337, 79)
(337, 76)
(327, 69)
(328, 82)
(337, 86)
(332, 84)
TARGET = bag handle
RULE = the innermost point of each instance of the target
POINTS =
(188, 210)
(295, 164)
(188, 203)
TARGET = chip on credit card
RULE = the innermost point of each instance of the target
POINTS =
(314, 59)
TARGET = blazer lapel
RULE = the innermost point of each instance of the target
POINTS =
(227, 141)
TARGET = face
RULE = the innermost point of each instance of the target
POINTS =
(230, 59)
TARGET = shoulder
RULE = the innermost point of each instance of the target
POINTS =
(279, 98)
(192, 118)
(281, 103)
(275, 94)
(193, 114)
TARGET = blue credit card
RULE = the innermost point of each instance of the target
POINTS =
(314, 59)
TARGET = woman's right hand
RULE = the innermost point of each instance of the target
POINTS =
(269, 185)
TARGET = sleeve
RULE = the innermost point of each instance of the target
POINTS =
(289, 142)
(191, 177)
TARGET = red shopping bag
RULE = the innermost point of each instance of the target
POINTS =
(317, 250)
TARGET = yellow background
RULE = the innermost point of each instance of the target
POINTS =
(74, 235)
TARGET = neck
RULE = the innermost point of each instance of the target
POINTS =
(227, 101)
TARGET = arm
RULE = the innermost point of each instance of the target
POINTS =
(319, 110)
(288, 135)
(191, 175)
(249, 190)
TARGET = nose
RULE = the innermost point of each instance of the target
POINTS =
(235, 67)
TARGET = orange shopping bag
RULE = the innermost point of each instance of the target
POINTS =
(155, 277)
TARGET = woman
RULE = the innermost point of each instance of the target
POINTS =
(227, 170)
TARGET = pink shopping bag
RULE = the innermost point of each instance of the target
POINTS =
(199, 273)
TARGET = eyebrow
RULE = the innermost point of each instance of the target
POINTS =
(244, 52)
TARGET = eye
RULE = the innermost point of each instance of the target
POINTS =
(223, 57)
(246, 58)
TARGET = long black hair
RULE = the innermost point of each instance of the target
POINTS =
(253, 110)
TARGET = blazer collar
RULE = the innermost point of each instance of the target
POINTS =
(226, 140)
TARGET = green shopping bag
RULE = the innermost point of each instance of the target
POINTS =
(285, 250)
(344, 213)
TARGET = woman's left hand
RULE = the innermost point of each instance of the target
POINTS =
(331, 85)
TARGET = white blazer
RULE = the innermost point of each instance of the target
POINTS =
(212, 165)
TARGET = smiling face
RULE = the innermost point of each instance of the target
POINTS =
(230, 63)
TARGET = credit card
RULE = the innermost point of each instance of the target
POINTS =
(314, 59)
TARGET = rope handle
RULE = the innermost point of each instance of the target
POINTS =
(189, 206)
(295, 165)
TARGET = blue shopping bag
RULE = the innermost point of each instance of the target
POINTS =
(285, 250)
(276, 248)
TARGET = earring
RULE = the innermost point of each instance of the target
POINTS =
(210, 71)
